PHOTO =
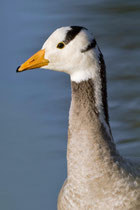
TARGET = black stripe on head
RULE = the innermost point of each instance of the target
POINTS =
(90, 46)
(72, 33)
(104, 86)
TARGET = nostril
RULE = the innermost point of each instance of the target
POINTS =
(32, 60)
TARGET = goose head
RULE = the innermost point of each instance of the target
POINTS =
(72, 50)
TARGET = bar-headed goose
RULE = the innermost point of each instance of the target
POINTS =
(98, 178)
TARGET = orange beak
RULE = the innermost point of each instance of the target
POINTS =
(36, 61)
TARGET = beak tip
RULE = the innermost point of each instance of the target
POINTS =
(17, 70)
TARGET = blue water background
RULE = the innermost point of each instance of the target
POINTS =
(34, 105)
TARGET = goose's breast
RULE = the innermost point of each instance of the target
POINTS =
(124, 198)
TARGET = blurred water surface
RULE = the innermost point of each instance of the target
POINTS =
(34, 104)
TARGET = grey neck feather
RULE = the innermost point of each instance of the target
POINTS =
(90, 147)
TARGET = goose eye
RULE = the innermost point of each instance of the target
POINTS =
(60, 45)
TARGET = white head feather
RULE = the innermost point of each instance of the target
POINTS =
(71, 60)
